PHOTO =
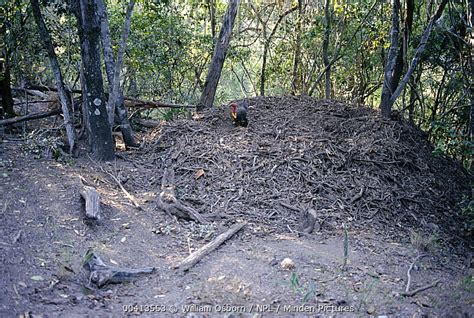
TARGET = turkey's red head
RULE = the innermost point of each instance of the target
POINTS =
(233, 109)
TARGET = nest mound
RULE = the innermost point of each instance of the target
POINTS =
(346, 162)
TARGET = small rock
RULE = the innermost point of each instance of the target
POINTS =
(371, 310)
(287, 264)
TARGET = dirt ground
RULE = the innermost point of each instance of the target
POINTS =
(389, 197)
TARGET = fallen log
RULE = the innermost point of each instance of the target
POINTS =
(135, 102)
(148, 123)
(195, 257)
(132, 102)
(102, 274)
(92, 202)
(19, 119)
(33, 92)
(44, 88)
(168, 202)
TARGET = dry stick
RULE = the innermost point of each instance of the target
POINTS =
(19, 119)
(407, 288)
(195, 257)
(291, 207)
(357, 196)
(416, 291)
(127, 194)
(152, 104)
(168, 202)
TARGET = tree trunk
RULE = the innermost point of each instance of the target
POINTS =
(403, 46)
(115, 87)
(471, 43)
(413, 94)
(327, 31)
(385, 105)
(120, 109)
(388, 96)
(419, 51)
(297, 57)
(63, 98)
(110, 68)
(220, 51)
(212, 16)
(6, 109)
(100, 133)
(264, 68)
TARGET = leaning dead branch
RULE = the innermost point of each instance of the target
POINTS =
(102, 274)
(195, 257)
(19, 119)
(127, 194)
(168, 202)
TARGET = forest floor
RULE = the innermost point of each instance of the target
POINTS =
(373, 185)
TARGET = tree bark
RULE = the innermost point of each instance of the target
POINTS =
(471, 43)
(6, 109)
(327, 66)
(63, 97)
(419, 52)
(212, 16)
(220, 51)
(110, 67)
(388, 96)
(297, 57)
(100, 133)
(403, 46)
(385, 105)
(115, 87)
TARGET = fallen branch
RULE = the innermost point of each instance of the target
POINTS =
(168, 202)
(148, 123)
(33, 92)
(19, 119)
(407, 291)
(407, 288)
(127, 194)
(44, 88)
(134, 102)
(416, 291)
(357, 196)
(102, 274)
(195, 257)
(289, 206)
